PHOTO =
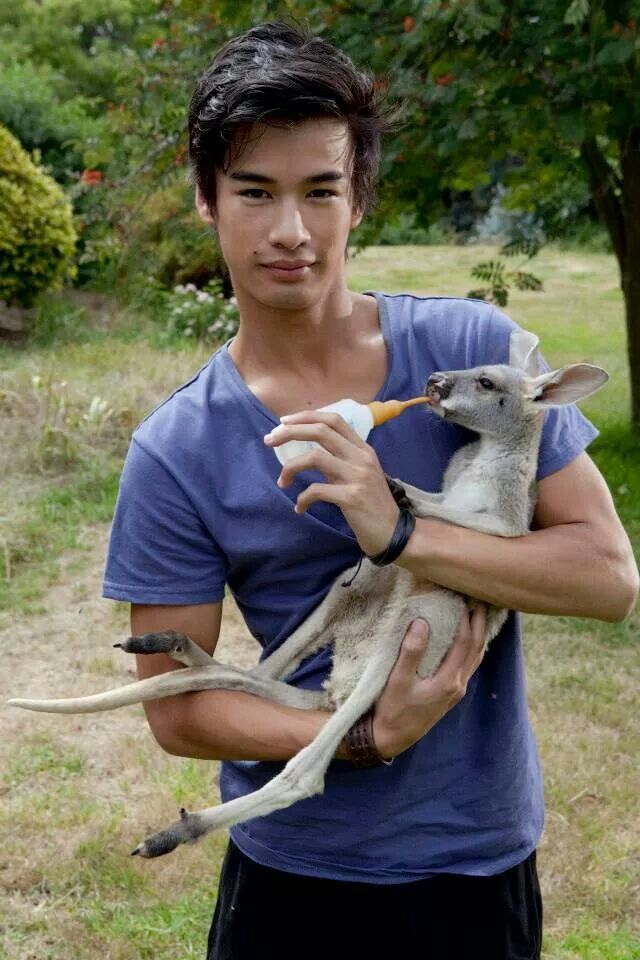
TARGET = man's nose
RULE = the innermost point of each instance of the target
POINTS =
(288, 228)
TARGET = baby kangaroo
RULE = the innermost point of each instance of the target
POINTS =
(489, 486)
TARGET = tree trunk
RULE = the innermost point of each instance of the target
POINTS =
(618, 202)
(631, 289)
(630, 269)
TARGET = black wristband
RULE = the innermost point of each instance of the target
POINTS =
(404, 528)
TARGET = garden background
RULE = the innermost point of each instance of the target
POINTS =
(514, 177)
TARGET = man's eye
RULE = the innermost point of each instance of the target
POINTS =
(251, 193)
(486, 383)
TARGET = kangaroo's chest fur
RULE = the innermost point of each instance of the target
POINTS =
(483, 477)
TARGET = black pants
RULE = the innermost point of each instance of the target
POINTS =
(265, 914)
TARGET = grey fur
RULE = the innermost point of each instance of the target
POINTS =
(489, 486)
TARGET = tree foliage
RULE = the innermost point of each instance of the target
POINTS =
(546, 91)
(540, 96)
(37, 239)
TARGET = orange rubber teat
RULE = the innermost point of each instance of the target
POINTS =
(383, 410)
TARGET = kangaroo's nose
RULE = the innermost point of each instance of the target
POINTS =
(438, 386)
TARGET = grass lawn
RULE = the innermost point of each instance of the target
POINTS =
(67, 886)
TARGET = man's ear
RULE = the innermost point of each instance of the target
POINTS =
(203, 209)
(356, 218)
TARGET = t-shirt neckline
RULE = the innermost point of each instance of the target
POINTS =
(269, 414)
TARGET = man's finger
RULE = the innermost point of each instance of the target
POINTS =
(468, 642)
(479, 619)
(478, 634)
(413, 647)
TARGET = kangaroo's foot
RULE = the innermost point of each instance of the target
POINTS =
(176, 645)
(185, 830)
(302, 777)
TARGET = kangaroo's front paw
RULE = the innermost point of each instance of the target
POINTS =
(167, 642)
(185, 830)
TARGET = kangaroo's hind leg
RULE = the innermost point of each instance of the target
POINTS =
(302, 777)
(310, 635)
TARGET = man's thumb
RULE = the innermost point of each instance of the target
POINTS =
(415, 640)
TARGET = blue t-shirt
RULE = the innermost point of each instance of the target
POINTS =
(199, 508)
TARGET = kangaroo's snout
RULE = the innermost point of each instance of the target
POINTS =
(438, 387)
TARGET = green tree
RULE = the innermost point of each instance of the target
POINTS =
(550, 89)
(113, 79)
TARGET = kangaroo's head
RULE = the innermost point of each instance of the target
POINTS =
(500, 399)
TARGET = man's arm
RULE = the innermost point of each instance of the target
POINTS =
(216, 724)
(576, 562)
(231, 725)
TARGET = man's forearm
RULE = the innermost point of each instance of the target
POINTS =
(560, 570)
(233, 725)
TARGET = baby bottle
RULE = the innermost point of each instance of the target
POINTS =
(361, 417)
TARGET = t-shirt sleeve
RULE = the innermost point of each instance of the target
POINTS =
(159, 552)
(566, 431)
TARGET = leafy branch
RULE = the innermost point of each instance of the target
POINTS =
(499, 280)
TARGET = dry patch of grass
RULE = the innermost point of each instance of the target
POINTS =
(78, 793)
(66, 416)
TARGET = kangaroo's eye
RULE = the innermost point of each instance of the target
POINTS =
(486, 383)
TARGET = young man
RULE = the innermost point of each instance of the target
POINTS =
(284, 143)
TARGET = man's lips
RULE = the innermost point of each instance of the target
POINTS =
(288, 264)
(289, 272)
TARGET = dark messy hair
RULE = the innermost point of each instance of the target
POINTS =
(278, 73)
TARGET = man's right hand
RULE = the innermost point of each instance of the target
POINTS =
(409, 706)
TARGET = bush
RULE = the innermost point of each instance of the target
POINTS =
(403, 230)
(387, 226)
(61, 130)
(168, 243)
(586, 235)
(198, 314)
(37, 239)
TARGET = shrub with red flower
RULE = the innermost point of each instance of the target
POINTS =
(91, 177)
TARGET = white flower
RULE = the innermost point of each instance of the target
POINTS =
(98, 410)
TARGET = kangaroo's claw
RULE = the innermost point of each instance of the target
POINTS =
(185, 830)
(167, 642)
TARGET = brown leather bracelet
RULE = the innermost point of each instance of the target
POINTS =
(361, 745)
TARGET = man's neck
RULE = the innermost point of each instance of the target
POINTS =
(301, 344)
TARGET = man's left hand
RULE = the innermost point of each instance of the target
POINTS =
(355, 480)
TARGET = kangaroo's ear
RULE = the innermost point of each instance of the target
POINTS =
(523, 351)
(566, 385)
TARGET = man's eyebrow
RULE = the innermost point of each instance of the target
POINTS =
(248, 175)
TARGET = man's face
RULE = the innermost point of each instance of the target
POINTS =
(290, 218)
